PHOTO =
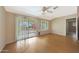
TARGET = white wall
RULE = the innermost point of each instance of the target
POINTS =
(2, 28)
(59, 24)
(10, 27)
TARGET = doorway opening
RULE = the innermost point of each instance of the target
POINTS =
(71, 27)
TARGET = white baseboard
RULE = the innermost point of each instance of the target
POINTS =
(2, 48)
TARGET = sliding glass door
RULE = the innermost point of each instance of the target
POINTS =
(21, 28)
(26, 27)
(33, 27)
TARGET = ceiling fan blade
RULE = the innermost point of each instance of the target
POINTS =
(55, 7)
(49, 11)
(46, 8)
(49, 7)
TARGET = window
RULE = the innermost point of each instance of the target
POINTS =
(44, 25)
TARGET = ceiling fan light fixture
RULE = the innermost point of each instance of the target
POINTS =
(48, 9)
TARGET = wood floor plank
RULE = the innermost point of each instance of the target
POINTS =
(50, 43)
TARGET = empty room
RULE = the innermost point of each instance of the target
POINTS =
(39, 29)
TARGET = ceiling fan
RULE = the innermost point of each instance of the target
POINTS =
(48, 9)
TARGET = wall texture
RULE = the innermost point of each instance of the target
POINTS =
(2, 28)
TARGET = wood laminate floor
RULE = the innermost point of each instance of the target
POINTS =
(50, 43)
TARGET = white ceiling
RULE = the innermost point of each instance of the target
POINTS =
(36, 11)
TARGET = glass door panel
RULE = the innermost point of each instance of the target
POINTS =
(33, 27)
(21, 28)
(26, 27)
